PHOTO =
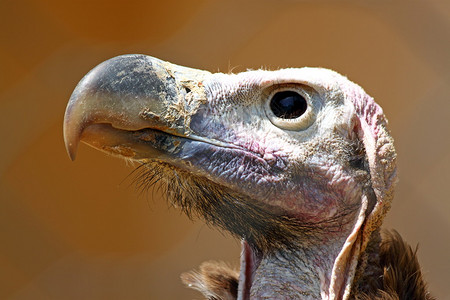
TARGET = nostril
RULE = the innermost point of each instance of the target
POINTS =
(188, 90)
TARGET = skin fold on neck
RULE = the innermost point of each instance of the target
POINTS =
(305, 272)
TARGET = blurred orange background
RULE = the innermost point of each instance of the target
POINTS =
(80, 230)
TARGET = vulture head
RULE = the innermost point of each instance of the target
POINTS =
(297, 163)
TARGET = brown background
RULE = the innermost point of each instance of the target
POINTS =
(81, 231)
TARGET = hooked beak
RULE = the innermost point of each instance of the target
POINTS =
(134, 106)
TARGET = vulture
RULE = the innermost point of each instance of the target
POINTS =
(297, 163)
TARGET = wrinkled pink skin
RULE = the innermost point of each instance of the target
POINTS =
(311, 194)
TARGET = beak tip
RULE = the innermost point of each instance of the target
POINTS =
(71, 148)
(72, 134)
(72, 153)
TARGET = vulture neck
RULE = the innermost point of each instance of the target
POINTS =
(305, 272)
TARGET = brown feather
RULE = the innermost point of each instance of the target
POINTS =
(215, 280)
(402, 277)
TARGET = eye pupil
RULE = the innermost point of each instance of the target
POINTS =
(288, 105)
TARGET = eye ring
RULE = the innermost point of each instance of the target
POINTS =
(289, 108)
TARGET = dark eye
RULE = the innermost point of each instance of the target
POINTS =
(288, 105)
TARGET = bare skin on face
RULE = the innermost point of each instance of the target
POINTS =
(297, 163)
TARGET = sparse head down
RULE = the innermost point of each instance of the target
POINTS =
(298, 163)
